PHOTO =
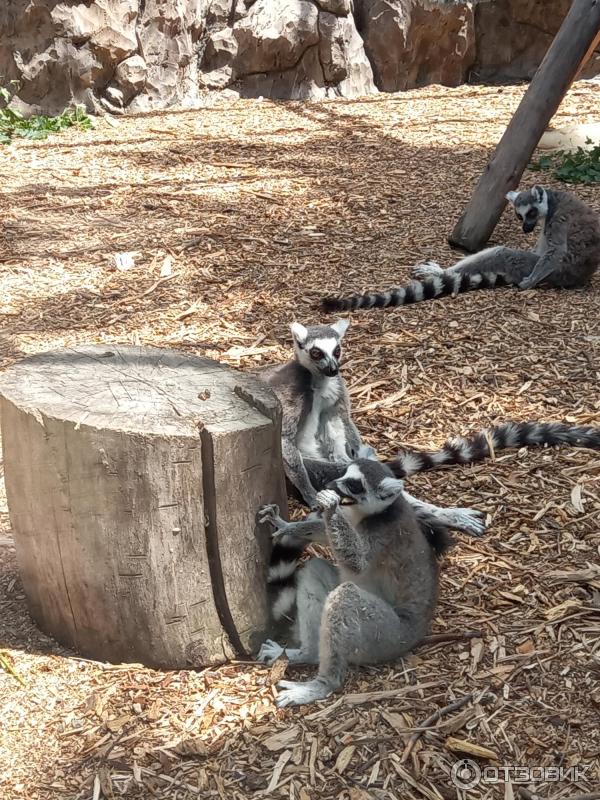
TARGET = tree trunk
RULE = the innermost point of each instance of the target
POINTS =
(572, 44)
(133, 478)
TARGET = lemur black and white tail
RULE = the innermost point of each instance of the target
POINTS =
(432, 281)
(481, 445)
(281, 580)
(492, 267)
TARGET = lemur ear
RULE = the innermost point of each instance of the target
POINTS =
(299, 332)
(538, 193)
(389, 488)
(341, 326)
(511, 196)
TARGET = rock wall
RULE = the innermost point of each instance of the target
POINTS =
(415, 43)
(514, 35)
(143, 54)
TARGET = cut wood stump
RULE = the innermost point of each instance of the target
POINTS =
(133, 478)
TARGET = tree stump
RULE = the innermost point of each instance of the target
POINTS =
(133, 477)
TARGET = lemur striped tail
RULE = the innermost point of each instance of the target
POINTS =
(281, 580)
(478, 446)
(442, 283)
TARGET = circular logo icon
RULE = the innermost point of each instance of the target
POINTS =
(465, 774)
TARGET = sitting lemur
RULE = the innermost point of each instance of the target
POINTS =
(566, 255)
(377, 601)
(380, 535)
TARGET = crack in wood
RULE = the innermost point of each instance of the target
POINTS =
(212, 545)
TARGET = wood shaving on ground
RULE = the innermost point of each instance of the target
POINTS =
(211, 239)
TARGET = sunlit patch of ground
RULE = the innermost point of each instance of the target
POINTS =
(239, 217)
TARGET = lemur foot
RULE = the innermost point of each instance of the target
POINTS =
(466, 520)
(366, 451)
(270, 513)
(294, 693)
(426, 270)
(269, 652)
(527, 283)
(328, 500)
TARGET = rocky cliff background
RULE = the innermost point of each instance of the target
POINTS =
(144, 54)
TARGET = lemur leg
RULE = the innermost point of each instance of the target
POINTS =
(513, 265)
(356, 628)
(296, 473)
(467, 520)
(315, 581)
(544, 268)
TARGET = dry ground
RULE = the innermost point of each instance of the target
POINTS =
(258, 209)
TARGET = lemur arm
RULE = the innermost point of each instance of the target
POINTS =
(556, 249)
(466, 520)
(349, 547)
(302, 533)
(353, 440)
(295, 471)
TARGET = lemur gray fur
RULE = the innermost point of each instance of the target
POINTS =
(566, 255)
(291, 538)
(319, 437)
(376, 603)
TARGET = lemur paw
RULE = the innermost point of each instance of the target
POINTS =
(294, 693)
(328, 500)
(468, 521)
(426, 270)
(526, 283)
(269, 652)
(366, 451)
(270, 514)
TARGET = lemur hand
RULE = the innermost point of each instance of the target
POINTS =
(527, 283)
(270, 514)
(328, 501)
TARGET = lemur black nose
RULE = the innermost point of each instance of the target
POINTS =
(331, 371)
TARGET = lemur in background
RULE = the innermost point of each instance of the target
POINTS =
(318, 435)
(377, 602)
(566, 256)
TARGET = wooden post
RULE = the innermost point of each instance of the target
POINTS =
(133, 477)
(549, 85)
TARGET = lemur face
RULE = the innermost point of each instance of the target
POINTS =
(367, 486)
(318, 347)
(529, 206)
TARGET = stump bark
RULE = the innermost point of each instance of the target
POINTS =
(133, 478)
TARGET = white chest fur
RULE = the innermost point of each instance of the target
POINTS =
(315, 430)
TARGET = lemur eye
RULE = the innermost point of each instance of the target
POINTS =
(354, 486)
(337, 352)
(315, 353)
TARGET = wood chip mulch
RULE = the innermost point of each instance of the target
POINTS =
(234, 220)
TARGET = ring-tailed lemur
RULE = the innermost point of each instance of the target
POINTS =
(291, 538)
(316, 406)
(319, 437)
(316, 420)
(377, 602)
(566, 256)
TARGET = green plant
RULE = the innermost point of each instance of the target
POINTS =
(579, 166)
(13, 124)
